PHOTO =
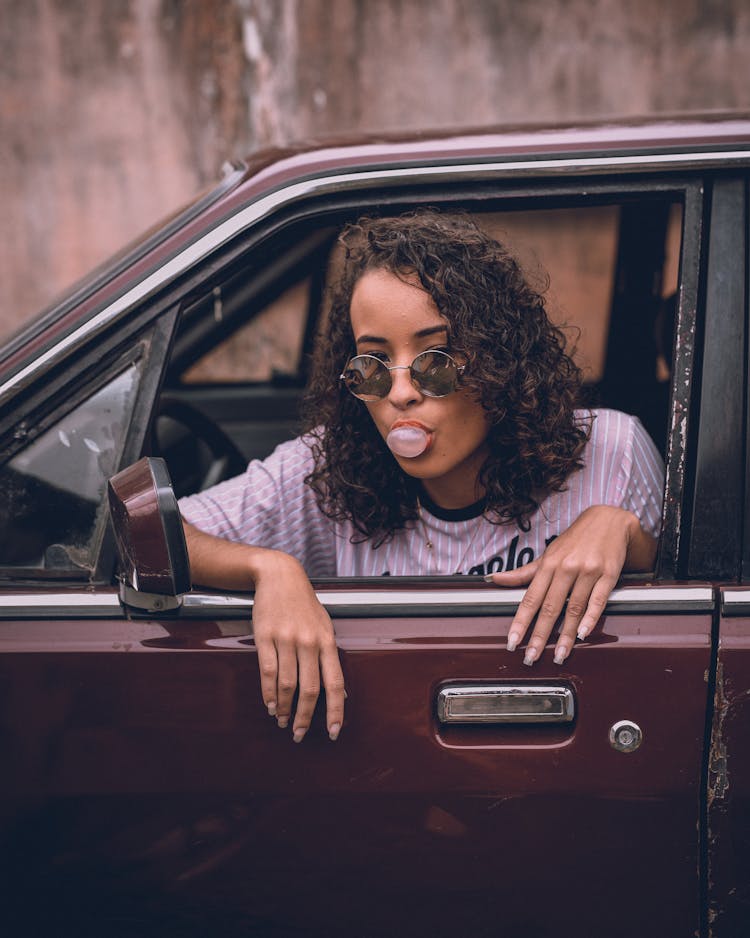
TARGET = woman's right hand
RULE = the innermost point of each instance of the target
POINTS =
(293, 633)
(296, 646)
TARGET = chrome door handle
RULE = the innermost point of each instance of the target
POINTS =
(505, 703)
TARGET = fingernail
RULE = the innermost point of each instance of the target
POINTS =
(283, 722)
(346, 696)
(512, 642)
(271, 708)
(561, 654)
(299, 735)
(488, 578)
(333, 732)
(582, 632)
(530, 656)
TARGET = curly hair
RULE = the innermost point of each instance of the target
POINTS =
(516, 366)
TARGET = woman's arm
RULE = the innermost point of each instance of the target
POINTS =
(293, 633)
(581, 566)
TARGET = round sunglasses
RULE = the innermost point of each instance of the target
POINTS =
(434, 372)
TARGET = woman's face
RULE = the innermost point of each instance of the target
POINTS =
(394, 319)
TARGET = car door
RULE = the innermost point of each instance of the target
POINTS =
(147, 788)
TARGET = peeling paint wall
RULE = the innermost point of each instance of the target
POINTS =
(113, 112)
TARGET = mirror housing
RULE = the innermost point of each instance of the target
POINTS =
(154, 563)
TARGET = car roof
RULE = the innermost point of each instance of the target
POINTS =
(719, 132)
(641, 135)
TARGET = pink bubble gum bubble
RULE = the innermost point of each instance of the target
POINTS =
(408, 441)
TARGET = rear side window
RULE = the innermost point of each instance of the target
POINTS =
(269, 345)
(572, 254)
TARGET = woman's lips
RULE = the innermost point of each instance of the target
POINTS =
(408, 439)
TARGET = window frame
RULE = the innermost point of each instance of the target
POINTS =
(503, 195)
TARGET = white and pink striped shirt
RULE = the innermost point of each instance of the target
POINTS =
(270, 506)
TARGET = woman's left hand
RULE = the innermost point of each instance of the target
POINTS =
(581, 566)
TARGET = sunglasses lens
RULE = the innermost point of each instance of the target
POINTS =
(435, 372)
(367, 378)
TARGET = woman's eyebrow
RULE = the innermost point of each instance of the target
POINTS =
(423, 333)
(371, 338)
(431, 330)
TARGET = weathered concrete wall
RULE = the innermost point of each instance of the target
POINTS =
(113, 112)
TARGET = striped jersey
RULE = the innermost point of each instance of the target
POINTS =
(271, 506)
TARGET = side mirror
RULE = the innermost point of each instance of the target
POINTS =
(150, 538)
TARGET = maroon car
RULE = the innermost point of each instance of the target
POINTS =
(145, 790)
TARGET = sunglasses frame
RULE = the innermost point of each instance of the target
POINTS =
(371, 398)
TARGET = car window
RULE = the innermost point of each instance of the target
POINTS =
(569, 254)
(267, 346)
(250, 324)
(573, 253)
(51, 490)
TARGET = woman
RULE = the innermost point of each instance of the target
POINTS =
(441, 437)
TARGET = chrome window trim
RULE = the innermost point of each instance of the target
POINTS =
(354, 603)
(343, 181)
(447, 602)
(735, 602)
(61, 605)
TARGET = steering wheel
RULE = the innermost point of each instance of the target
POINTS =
(226, 459)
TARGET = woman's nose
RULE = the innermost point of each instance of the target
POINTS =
(403, 390)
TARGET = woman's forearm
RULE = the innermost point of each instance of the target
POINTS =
(221, 564)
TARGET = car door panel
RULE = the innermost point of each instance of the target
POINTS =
(150, 760)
